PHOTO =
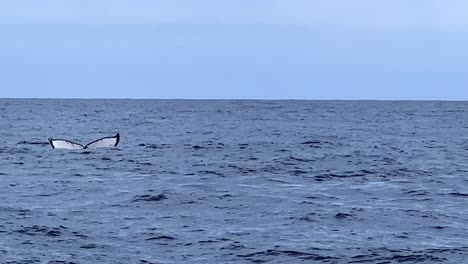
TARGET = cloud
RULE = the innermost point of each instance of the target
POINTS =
(239, 48)
(366, 14)
(383, 14)
(134, 12)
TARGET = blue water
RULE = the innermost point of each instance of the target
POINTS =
(234, 182)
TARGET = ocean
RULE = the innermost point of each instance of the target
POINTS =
(234, 181)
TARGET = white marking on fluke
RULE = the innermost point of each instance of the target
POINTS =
(105, 142)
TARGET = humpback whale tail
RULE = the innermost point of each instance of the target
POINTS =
(105, 142)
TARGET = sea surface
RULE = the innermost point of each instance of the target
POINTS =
(233, 181)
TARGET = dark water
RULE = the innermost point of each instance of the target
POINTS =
(235, 182)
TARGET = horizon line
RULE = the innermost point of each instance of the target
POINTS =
(232, 99)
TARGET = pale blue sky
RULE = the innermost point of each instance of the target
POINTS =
(268, 49)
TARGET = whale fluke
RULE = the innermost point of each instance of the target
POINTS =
(105, 142)
(64, 144)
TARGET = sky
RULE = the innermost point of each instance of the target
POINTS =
(242, 49)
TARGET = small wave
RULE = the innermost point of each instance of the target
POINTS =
(343, 216)
(148, 198)
(161, 237)
(211, 172)
(236, 245)
(301, 159)
(40, 143)
(156, 146)
(465, 195)
(288, 253)
(36, 230)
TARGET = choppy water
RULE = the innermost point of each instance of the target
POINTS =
(234, 182)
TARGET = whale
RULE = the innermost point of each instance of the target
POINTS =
(105, 142)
